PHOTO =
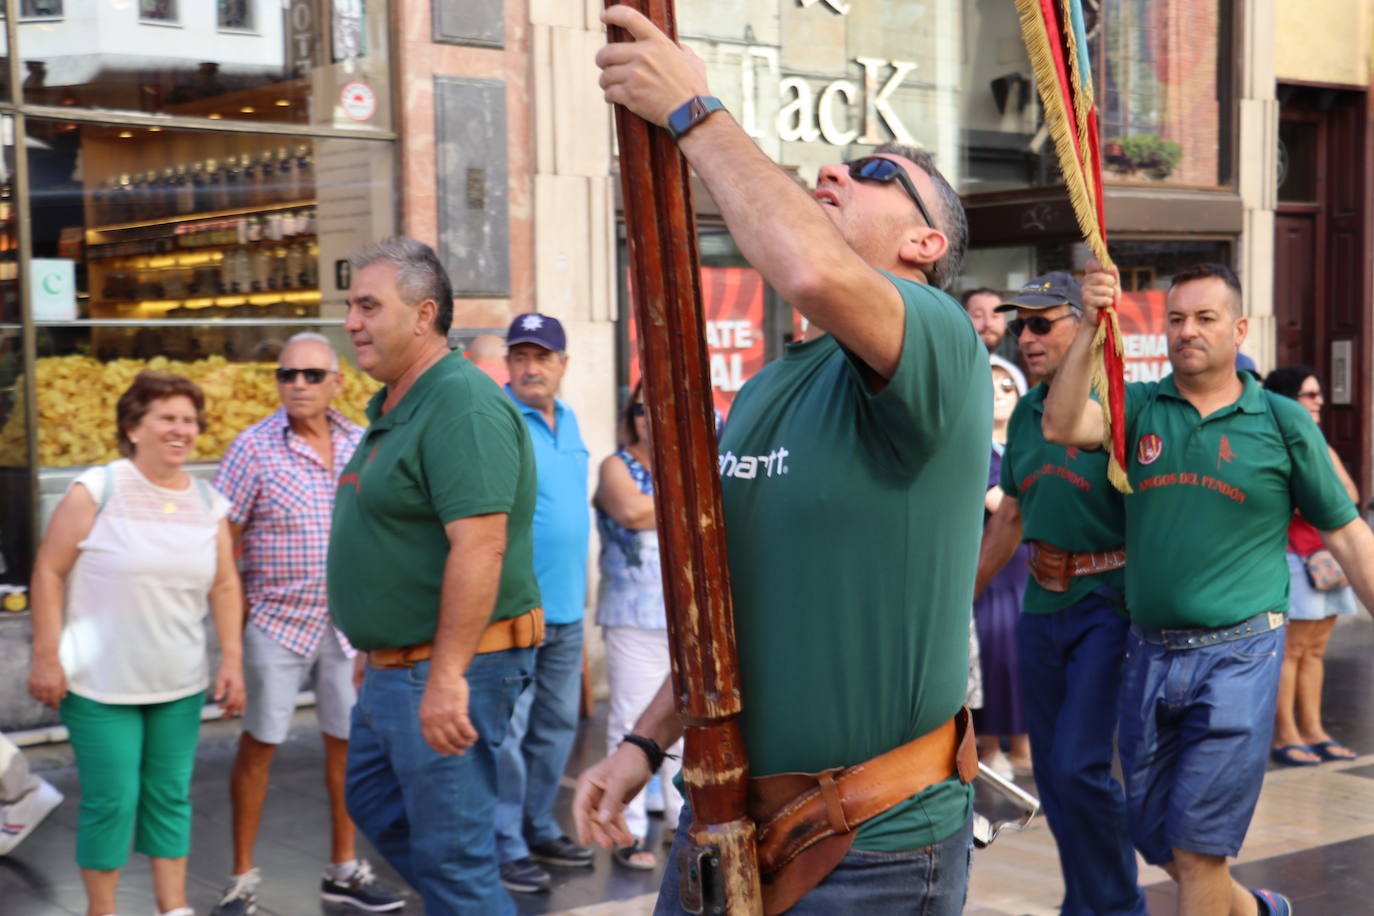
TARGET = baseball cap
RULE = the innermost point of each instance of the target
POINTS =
(1046, 291)
(535, 328)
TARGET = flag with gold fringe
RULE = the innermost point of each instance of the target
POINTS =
(1058, 46)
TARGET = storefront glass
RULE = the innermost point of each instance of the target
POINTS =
(1163, 96)
(304, 62)
(158, 248)
(819, 81)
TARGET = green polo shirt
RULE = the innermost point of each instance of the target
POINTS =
(454, 447)
(1066, 500)
(1206, 527)
(853, 521)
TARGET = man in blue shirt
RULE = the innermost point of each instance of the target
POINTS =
(535, 750)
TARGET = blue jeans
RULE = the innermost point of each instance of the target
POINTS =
(1070, 679)
(1195, 732)
(930, 881)
(431, 816)
(533, 756)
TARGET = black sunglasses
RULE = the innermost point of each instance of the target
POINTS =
(1038, 324)
(876, 168)
(313, 376)
(636, 410)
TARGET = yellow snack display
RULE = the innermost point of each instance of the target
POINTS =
(77, 396)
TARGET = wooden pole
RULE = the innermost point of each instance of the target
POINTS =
(719, 871)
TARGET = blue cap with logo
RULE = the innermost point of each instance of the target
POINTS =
(535, 328)
(1046, 291)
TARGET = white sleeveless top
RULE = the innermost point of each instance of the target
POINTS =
(137, 597)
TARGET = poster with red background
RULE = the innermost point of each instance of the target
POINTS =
(732, 303)
(1143, 320)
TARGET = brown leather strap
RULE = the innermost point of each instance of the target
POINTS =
(806, 821)
(519, 632)
(1054, 567)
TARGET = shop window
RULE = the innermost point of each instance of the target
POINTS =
(192, 251)
(313, 63)
(40, 9)
(158, 11)
(1163, 95)
(236, 15)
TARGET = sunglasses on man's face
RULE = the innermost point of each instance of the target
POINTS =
(313, 376)
(636, 410)
(885, 171)
(1038, 324)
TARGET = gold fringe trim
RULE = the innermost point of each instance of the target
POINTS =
(1057, 120)
(1115, 472)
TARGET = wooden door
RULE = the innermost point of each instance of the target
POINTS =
(1321, 259)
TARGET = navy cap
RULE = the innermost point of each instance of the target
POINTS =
(1046, 291)
(535, 328)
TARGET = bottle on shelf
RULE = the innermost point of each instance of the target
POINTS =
(262, 269)
(305, 172)
(216, 190)
(183, 192)
(200, 188)
(284, 189)
(235, 183)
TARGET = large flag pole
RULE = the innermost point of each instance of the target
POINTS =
(1058, 47)
(720, 870)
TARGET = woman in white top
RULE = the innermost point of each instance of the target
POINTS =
(133, 555)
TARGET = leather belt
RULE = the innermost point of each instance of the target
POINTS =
(519, 632)
(806, 821)
(1054, 567)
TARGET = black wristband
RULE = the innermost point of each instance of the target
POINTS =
(650, 748)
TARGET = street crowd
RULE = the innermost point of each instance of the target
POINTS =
(429, 573)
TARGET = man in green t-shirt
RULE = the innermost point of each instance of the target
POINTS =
(431, 573)
(1071, 638)
(1217, 466)
(853, 471)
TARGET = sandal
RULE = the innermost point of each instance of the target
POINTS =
(1332, 750)
(638, 857)
(1284, 755)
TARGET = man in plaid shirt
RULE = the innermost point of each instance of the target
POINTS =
(280, 474)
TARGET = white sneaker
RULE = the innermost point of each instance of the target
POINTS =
(17, 820)
(1000, 764)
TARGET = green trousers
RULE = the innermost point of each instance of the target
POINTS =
(135, 764)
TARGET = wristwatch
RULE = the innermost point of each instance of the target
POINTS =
(691, 113)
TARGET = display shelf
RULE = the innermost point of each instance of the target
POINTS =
(196, 217)
(292, 296)
(186, 322)
(166, 258)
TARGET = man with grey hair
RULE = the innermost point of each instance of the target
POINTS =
(431, 572)
(280, 475)
(853, 474)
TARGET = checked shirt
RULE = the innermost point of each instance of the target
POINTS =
(283, 496)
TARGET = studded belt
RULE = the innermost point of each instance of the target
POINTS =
(1199, 637)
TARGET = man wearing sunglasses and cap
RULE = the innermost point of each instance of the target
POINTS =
(1072, 632)
(281, 474)
(853, 473)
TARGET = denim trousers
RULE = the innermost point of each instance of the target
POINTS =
(929, 881)
(430, 815)
(1070, 680)
(1195, 731)
(531, 760)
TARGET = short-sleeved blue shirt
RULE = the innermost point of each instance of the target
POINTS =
(562, 517)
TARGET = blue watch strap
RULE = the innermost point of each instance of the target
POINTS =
(691, 113)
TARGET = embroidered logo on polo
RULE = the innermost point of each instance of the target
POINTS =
(1070, 452)
(1224, 452)
(1148, 450)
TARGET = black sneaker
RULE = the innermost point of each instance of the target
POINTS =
(562, 851)
(361, 890)
(524, 877)
(240, 898)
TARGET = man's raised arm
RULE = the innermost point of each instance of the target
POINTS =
(1071, 416)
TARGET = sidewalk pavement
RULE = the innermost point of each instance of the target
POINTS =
(1312, 836)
